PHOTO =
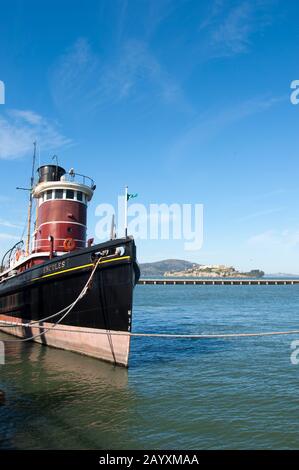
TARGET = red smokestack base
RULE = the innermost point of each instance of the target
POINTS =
(62, 211)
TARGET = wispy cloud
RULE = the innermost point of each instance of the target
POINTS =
(7, 223)
(154, 14)
(215, 8)
(157, 13)
(228, 28)
(209, 124)
(137, 71)
(20, 128)
(284, 239)
(232, 36)
(8, 236)
(270, 194)
(258, 214)
(74, 73)
(28, 116)
(83, 76)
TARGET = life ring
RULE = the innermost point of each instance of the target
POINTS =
(69, 244)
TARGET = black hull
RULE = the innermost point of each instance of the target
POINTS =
(46, 289)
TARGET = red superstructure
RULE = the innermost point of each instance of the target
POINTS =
(61, 211)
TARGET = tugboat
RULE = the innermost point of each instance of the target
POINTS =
(66, 291)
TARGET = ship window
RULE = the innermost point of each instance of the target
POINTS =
(69, 194)
(69, 229)
(79, 196)
(58, 193)
(49, 195)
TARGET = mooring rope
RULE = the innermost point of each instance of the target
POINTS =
(68, 309)
(163, 335)
(215, 336)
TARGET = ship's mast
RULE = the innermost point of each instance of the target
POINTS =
(126, 211)
(30, 200)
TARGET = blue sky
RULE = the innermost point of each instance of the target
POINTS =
(184, 101)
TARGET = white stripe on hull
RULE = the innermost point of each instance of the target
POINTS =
(107, 346)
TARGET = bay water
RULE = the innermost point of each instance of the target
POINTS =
(177, 393)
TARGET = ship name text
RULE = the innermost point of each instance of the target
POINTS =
(54, 267)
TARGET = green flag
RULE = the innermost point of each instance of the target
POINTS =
(131, 196)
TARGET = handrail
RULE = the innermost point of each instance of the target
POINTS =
(72, 177)
(10, 253)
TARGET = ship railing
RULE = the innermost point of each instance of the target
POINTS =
(73, 177)
(8, 259)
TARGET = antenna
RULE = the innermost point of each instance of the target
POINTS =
(56, 158)
(126, 211)
(30, 200)
(112, 229)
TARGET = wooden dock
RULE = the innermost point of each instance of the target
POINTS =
(219, 282)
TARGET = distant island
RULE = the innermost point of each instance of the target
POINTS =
(182, 268)
(159, 268)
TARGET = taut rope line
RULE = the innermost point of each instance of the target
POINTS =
(162, 335)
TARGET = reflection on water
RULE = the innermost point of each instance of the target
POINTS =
(58, 399)
(177, 393)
